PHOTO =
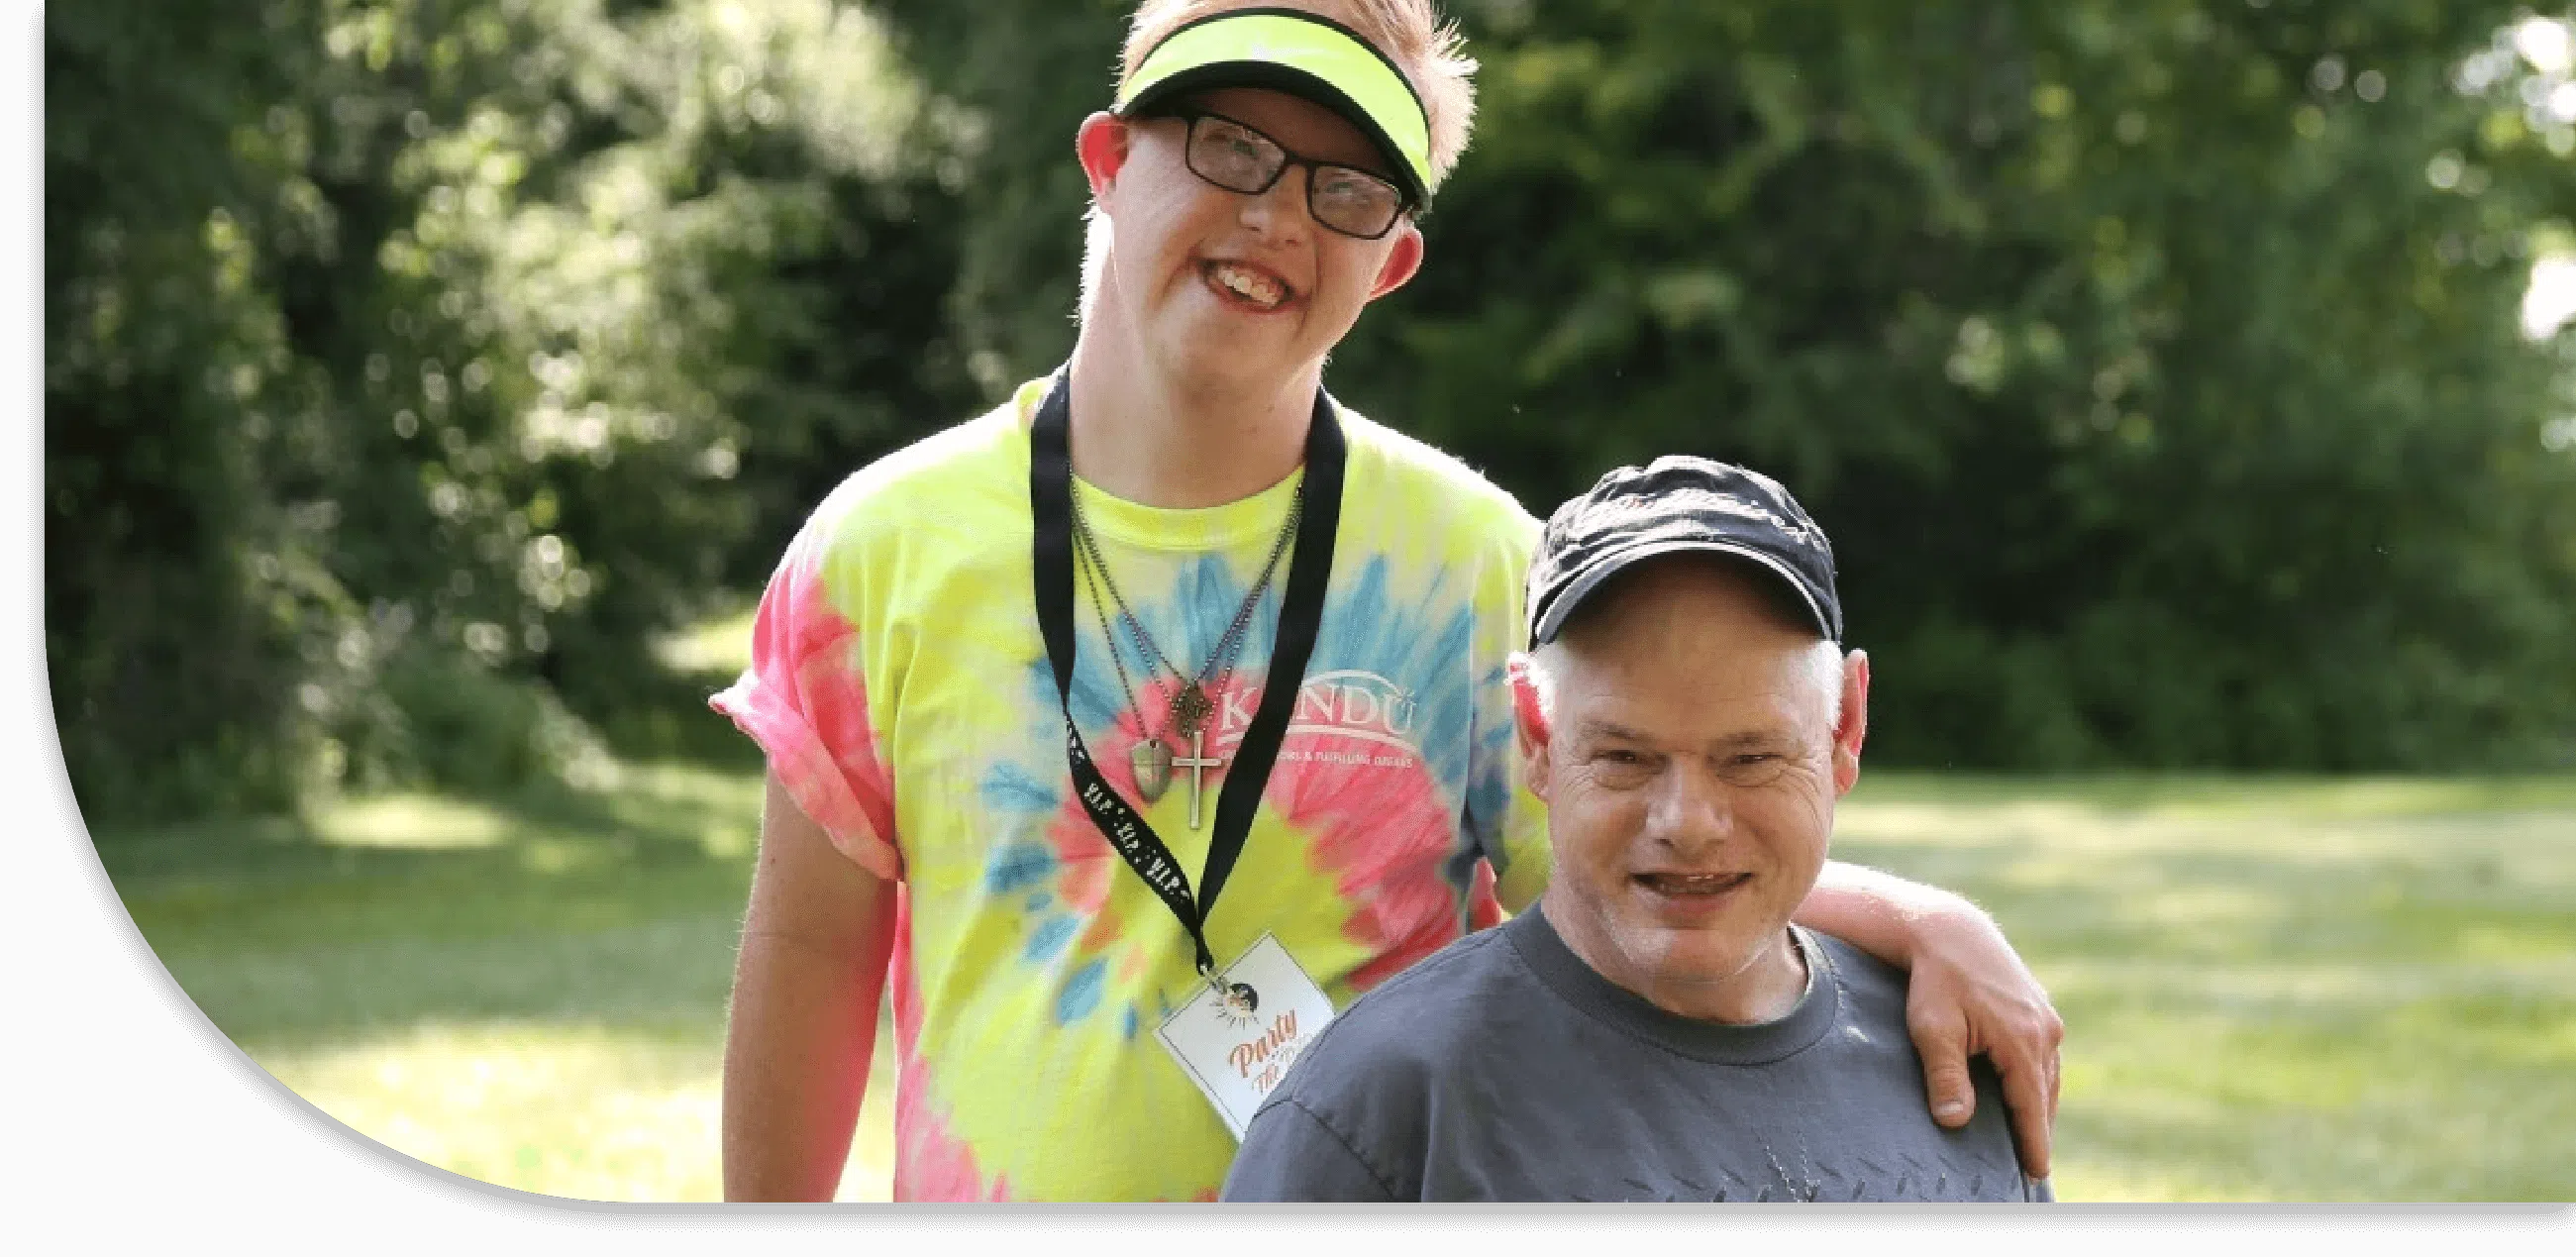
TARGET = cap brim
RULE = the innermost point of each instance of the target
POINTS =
(1304, 55)
(1552, 620)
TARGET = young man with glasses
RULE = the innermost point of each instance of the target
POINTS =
(1130, 730)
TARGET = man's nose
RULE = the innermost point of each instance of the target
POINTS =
(1279, 214)
(1692, 812)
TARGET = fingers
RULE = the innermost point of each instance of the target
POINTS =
(1940, 1034)
(2030, 1093)
(1942, 1043)
(1954, 1101)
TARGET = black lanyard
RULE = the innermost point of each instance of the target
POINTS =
(1300, 614)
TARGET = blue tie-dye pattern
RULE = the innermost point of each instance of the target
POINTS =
(1096, 700)
(1081, 993)
(1410, 642)
(1417, 648)
(1417, 643)
(1489, 793)
(1018, 867)
(1008, 788)
(1414, 645)
(1185, 625)
(1050, 937)
(1038, 902)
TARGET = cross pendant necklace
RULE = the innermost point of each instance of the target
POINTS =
(1198, 761)
(1189, 711)
(1190, 706)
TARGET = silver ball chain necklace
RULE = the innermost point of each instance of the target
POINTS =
(1186, 715)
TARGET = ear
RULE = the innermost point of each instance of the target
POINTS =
(1530, 725)
(1401, 261)
(1101, 145)
(1851, 728)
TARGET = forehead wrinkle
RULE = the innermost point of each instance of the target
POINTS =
(1765, 718)
(1598, 727)
(1744, 738)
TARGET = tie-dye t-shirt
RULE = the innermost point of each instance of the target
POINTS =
(901, 690)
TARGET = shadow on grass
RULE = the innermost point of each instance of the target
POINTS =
(616, 906)
(529, 991)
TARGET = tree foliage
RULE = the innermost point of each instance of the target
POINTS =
(411, 363)
(415, 349)
(2154, 365)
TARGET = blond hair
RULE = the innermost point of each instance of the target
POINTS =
(1427, 47)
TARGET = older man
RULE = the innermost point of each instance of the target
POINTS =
(1658, 1028)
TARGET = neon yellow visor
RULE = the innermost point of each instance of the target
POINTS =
(1302, 54)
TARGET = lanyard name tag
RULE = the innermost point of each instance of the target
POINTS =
(1236, 1038)
(1237, 1047)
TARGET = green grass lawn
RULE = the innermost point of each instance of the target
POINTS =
(2275, 989)
(532, 995)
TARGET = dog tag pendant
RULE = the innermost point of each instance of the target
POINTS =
(1153, 764)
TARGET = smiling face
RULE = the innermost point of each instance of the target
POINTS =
(1222, 288)
(1690, 754)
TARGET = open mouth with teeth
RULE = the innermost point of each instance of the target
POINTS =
(1248, 287)
(1690, 887)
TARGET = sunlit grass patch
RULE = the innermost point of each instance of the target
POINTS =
(2276, 989)
(418, 822)
(527, 991)
(2290, 989)
(719, 646)
(671, 841)
(585, 1111)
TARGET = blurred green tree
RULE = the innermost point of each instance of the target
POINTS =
(182, 607)
(410, 363)
(651, 273)
(2154, 364)
(419, 350)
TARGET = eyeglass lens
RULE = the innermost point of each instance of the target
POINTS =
(1239, 159)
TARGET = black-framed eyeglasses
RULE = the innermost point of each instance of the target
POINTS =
(1239, 158)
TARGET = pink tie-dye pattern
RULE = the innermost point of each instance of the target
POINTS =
(1085, 863)
(929, 1163)
(836, 702)
(1382, 830)
(806, 704)
(1385, 833)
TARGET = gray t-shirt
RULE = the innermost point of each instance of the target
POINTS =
(1505, 1068)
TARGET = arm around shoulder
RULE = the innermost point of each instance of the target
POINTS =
(1969, 993)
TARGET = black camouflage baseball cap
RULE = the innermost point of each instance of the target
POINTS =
(1676, 504)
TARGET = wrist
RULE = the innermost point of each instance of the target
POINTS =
(1935, 917)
